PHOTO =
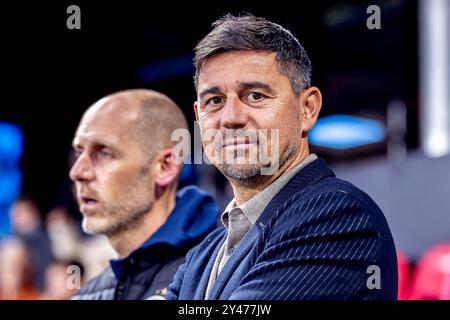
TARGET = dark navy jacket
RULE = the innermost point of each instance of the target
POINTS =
(318, 238)
(147, 271)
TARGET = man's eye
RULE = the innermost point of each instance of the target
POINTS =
(105, 154)
(77, 154)
(212, 104)
(214, 101)
(255, 96)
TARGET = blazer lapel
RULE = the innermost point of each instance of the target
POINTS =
(210, 253)
(309, 175)
(233, 262)
(296, 187)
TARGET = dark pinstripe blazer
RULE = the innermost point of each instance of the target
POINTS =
(318, 238)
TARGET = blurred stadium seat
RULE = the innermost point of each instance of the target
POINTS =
(403, 276)
(430, 278)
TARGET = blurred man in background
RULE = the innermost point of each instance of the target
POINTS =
(126, 185)
(292, 231)
(28, 226)
(57, 286)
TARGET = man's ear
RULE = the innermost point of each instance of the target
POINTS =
(196, 105)
(311, 101)
(167, 169)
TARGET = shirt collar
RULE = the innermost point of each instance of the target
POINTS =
(253, 208)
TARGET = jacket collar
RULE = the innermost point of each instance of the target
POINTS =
(192, 219)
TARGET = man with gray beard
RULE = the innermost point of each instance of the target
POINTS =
(293, 230)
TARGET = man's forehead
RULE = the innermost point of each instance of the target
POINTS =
(104, 123)
(228, 66)
(95, 136)
(112, 107)
(223, 61)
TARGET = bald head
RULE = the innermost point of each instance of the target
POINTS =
(148, 117)
(124, 172)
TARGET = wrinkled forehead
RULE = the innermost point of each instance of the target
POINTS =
(238, 66)
(257, 58)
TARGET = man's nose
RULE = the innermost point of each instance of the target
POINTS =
(234, 114)
(82, 169)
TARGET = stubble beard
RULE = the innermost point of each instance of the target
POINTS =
(249, 175)
(125, 214)
(121, 222)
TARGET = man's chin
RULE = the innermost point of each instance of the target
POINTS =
(87, 228)
(94, 226)
(240, 171)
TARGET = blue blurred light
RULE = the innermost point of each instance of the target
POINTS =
(11, 142)
(11, 148)
(344, 132)
(10, 185)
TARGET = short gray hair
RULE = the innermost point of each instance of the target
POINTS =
(231, 33)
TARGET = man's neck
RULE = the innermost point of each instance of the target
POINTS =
(124, 243)
(243, 193)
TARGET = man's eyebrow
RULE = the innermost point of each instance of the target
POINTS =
(210, 90)
(244, 86)
(98, 143)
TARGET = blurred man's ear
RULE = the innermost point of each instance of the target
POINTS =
(196, 105)
(167, 168)
(311, 100)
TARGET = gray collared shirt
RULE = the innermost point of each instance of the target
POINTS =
(239, 219)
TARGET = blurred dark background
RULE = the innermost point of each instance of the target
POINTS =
(52, 74)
